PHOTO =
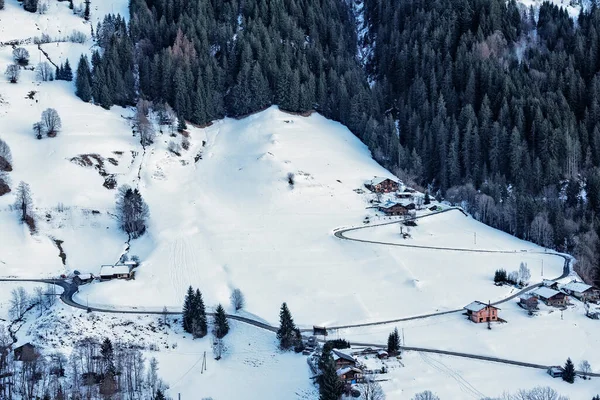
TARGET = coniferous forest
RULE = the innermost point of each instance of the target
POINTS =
(484, 103)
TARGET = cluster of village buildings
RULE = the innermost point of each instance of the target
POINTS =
(549, 292)
(121, 270)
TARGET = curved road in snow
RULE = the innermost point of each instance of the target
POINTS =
(69, 290)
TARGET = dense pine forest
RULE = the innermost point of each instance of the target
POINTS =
(484, 103)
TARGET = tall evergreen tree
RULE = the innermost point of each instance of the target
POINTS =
(199, 322)
(286, 332)
(83, 81)
(330, 386)
(569, 373)
(221, 323)
(188, 310)
(393, 344)
(67, 71)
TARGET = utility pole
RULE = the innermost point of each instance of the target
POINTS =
(489, 315)
(542, 267)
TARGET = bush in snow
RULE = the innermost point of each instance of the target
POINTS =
(44, 72)
(513, 278)
(21, 56)
(30, 5)
(237, 299)
(291, 178)
(12, 73)
(175, 148)
(78, 37)
(1, 4)
(45, 38)
(500, 276)
(4, 183)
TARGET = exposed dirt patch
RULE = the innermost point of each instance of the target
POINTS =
(97, 161)
(61, 254)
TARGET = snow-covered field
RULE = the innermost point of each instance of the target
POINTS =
(229, 219)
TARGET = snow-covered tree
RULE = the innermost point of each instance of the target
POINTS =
(12, 73)
(524, 274)
(5, 157)
(51, 122)
(44, 72)
(221, 324)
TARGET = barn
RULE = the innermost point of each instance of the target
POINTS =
(382, 185)
(108, 272)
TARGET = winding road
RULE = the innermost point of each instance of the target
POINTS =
(69, 290)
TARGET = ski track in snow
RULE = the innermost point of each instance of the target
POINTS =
(464, 385)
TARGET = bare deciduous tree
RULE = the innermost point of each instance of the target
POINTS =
(142, 123)
(12, 73)
(21, 56)
(237, 299)
(19, 301)
(541, 232)
(585, 368)
(372, 390)
(51, 122)
(23, 202)
(44, 72)
(426, 395)
(524, 274)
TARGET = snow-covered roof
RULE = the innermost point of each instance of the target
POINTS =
(114, 269)
(578, 287)
(545, 293)
(378, 180)
(84, 277)
(345, 370)
(548, 282)
(527, 296)
(336, 354)
(476, 306)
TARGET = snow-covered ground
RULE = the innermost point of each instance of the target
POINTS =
(229, 219)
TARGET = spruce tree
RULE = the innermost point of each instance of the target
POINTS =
(199, 322)
(286, 334)
(1, 4)
(221, 323)
(330, 386)
(393, 344)
(67, 71)
(188, 310)
(86, 11)
(58, 74)
(569, 374)
(159, 395)
(427, 199)
(83, 81)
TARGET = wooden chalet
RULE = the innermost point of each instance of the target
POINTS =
(551, 297)
(394, 209)
(528, 301)
(342, 359)
(382, 185)
(581, 291)
(26, 352)
(108, 272)
(481, 312)
(350, 374)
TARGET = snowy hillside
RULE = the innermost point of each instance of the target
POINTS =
(223, 215)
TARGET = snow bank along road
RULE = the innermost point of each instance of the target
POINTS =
(69, 289)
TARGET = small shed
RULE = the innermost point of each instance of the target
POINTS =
(82, 279)
(528, 301)
(108, 272)
(550, 284)
(382, 354)
(342, 359)
(581, 291)
(551, 297)
(481, 312)
(350, 374)
(382, 185)
(411, 206)
(26, 352)
(556, 371)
